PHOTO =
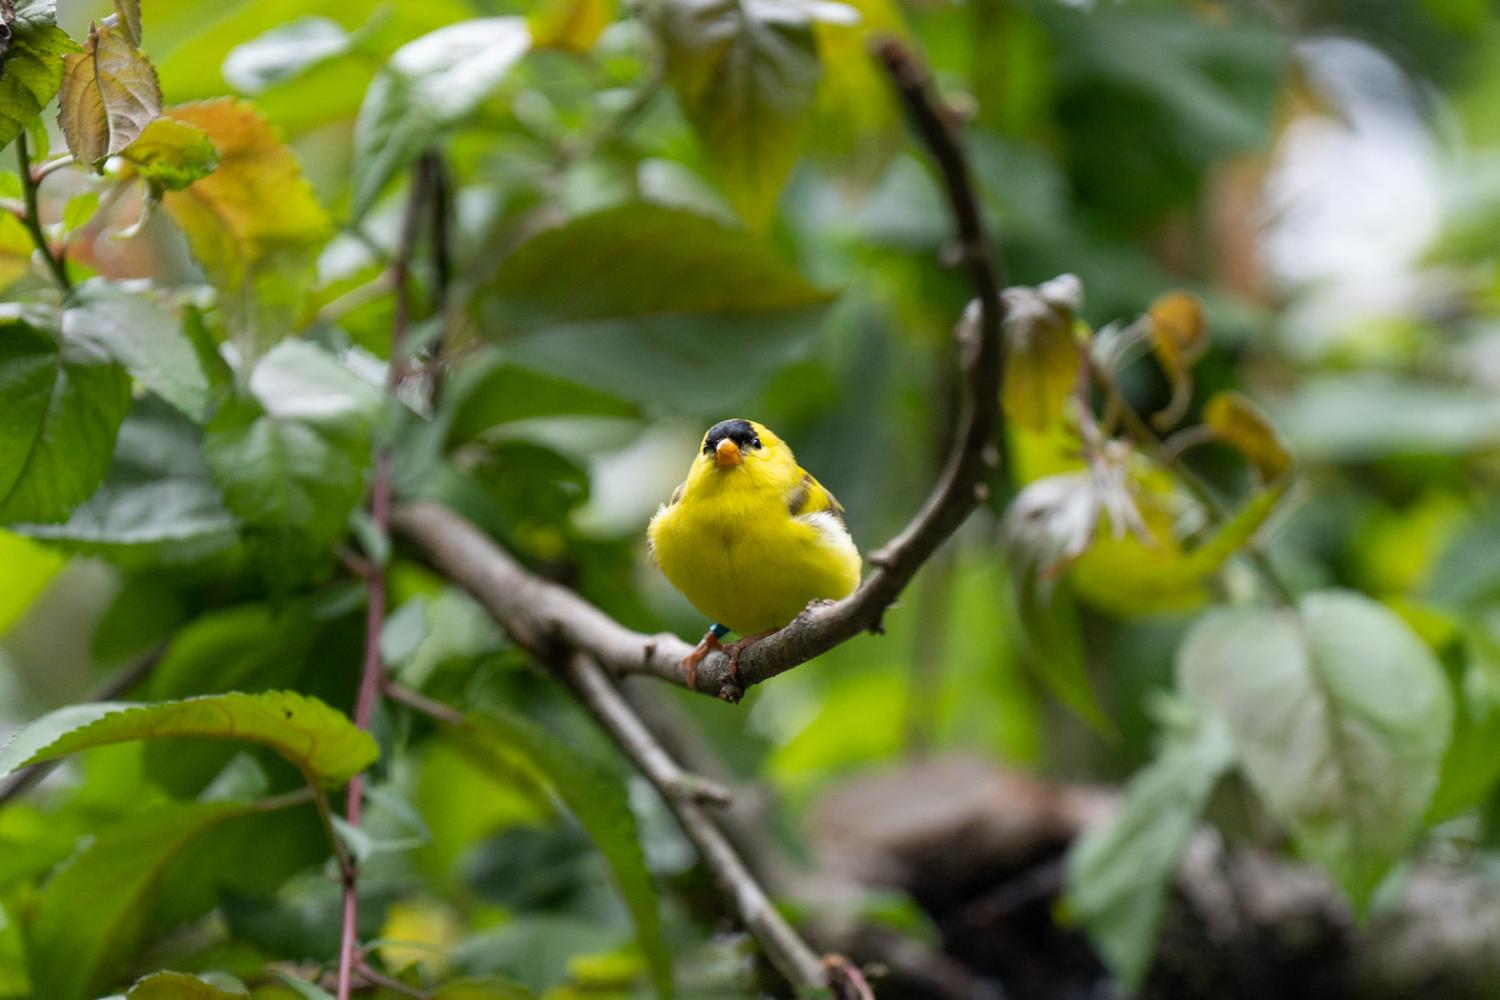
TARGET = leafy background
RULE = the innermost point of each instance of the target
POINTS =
(667, 213)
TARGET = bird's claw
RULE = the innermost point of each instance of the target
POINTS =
(734, 649)
(710, 644)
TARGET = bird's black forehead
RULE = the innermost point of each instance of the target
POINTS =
(738, 431)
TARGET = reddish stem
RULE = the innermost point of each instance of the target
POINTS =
(372, 672)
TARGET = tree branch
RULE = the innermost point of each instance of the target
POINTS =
(539, 614)
(782, 945)
(32, 219)
(683, 793)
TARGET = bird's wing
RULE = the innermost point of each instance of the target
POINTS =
(810, 497)
(651, 528)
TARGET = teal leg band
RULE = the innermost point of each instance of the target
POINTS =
(719, 631)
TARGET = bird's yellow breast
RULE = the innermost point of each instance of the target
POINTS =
(734, 550)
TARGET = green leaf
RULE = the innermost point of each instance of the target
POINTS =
(60, 407)
(1368, 416)
(291, 462)
(677, 364)
(284, 53)
(1128, 576)
(303, 988)
(487, 988)
(79, 937)
(1471, 767)
(172, 154)
(746, 73)
(488, 391)
(292, 484)
(14, 982)
(33, 68)
(600, 802)
(134, 331)
(570, 25)
(318, 740)
(15, 248)
(431, 85)
(1119, 871)
(245, 647)
(28, 570)
(253, 224)
(1341, 716)
(1049, 630)
(109, 95)
(79, 210)
(177, 986)
(641, 259)
(157, 504)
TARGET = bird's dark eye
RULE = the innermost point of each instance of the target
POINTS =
(755, 442)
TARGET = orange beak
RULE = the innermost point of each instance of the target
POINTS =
(727, 454)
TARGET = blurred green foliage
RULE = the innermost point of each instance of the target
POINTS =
(662, 214)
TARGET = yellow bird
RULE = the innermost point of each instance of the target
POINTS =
(750, 538)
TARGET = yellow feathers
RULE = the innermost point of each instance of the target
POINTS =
(750, 537)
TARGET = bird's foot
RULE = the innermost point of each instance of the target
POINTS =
(734, 649)
(710, 644)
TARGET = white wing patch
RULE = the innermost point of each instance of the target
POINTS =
(831, 528)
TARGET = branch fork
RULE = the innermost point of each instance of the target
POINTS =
(584, 646)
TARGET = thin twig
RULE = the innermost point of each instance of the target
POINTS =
(532, 609)
(42, 170)
(285, 800)
(341, 855)
(372, 674)
(419, 702)
(377, 978)
(781, 943)
(684, 793)
(360, 295)
(442, 267)
(33, 220)
(18, 783)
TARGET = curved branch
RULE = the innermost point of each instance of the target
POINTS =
(791, 956)
(540, 614)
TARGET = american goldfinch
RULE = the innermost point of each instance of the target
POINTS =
(750, 537)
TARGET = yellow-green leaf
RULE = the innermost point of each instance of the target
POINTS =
(571, 25)
(172, 154)
(1238, 422)
(1131, 577)
(253, 224)
(15, 249)
(178, 986)
(33, 67)
(746, 75)
(25, 570)
(1179, 336)
(857, 112)
(90, 918)
(109, 95)
(1041, 361)
(318, 740)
